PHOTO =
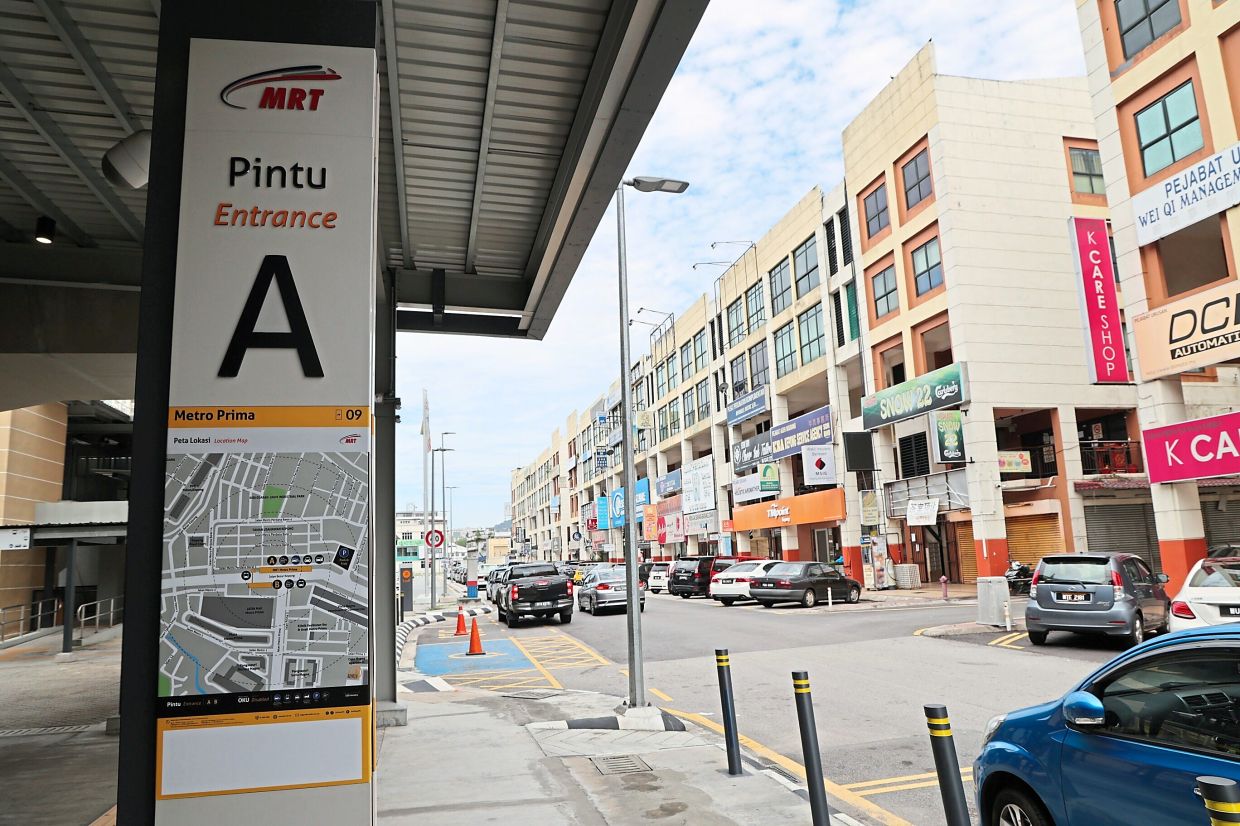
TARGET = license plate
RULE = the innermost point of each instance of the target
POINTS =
(1230, 610)
(726, 581)
(1073, 597)
(542, 604)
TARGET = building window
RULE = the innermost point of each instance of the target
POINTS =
(690, 408)
(914, 456)
(916, 173)
(846, 250)
(671, 372)
(876, 218)
(936, 347)
(838, 306)
(703, 400)
(1141, 22)
(927, 266)
(673, 416)
(663, 434)
(755, 306)
(805, 263)
(1169, 129)
(781, 288)
(686, 361)
(809, 325)
(1087, 171)
(886, 299)
(699, 350)
(738, 374)
(759, 366)
(736, 323)
(1189, 258)
(660, 381)
(785, 350)
(850, 299)
(833, 262)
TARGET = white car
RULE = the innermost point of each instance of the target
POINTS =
(1210, 596)
(658, 577)
(732, 583)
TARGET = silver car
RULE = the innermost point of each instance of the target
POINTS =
(605, 588)
(1096, 593)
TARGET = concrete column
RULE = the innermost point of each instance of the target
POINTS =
(70, 610)
(1068, 456)
(723, 474)
(985, 493)
(1177, 507)
(686, 456)
(788, 537)
(383, 531)
(850, 530)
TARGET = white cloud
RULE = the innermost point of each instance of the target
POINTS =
(752, 119)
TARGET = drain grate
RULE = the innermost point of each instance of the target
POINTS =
(784, 773)
(32, 732)
(620, 764)
(534, 694)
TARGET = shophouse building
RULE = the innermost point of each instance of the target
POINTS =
(1162, 76)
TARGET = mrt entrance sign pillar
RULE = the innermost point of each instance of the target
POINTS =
(246, 684)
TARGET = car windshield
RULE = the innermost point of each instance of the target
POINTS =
(533, 570)
(661, 568)
(742, 567)
(687, 565)
(1085, 571)
(788, 569)
(1217, 574)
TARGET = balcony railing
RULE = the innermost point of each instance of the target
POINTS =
(1108, 457)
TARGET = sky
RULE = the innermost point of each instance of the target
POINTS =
(752, 119)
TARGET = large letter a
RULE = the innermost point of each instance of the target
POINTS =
(298, 338)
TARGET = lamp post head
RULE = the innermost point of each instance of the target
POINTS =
(645, 183)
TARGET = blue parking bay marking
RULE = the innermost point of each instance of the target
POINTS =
(439, 659)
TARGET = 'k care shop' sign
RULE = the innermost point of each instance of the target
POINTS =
(946, 387)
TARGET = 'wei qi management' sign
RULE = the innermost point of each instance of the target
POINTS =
(1202, 190)
(1099, 302)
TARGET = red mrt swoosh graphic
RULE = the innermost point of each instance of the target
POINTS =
(313, 72)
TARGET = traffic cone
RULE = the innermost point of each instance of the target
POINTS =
(460, 624)
(475, 641)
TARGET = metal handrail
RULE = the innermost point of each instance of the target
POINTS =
(116, 607)
(29, 617)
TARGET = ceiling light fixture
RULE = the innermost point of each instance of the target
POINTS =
(44, 229)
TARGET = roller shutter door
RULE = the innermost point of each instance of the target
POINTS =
(968, 555)
(1222, 527)
(1032, 537)
(1124, 528)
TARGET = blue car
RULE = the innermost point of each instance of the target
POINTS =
(1126, 745)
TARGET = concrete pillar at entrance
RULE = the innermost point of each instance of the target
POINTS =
(383, 602)
(985, 493)
(788, 538)
(723, 475)
(885, 460)
(1177, 507)
(70, 609)
(1068, 456)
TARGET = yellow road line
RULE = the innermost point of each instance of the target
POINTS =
(925, 784)
(1007, 638)
(554, 682)
(920, 631)
(601, 659)
(624, 671)
(852, 798)
(902, 779)
(660, 695)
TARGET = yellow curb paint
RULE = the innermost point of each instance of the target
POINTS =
(660, 695)
(901, 779)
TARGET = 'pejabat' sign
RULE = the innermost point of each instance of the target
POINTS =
(1204, 189)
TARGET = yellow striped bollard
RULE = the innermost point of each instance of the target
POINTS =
(1222, 799)
(820, 813)
(723, 664)
(946, 763)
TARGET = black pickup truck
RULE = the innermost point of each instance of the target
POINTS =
(535, 589)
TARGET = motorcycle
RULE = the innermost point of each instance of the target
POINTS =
(1019, 577)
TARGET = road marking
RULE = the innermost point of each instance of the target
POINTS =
(908, 786)
(1007, 638)
(870, 808)
(902, 779)
(554, 682)
(660, 695)
(921, 631)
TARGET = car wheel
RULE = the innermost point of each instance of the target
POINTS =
(656, 591)
(1016, 807)
(1138, 631)
(1037, 637)
(809, 599)
(727, 601)
(854, 596)
(566, 617)
(643, 608)
(511, 618)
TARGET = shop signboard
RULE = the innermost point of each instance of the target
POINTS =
(818, 464)
(748, 488)
(946, 387)
(668, 484)
(871, 508)
(747, 453)
(1015, 461)
(650, 523)
(671, 521)
(616, 504)
(813, 428)
(947, 432)
(602, 512)
(1100, 310)
(699, 485)
(1194, 332)
(768, 477)
(726, 526)
(1196, 449)
(822, 506)
(1200, 191)
(699, 524)
(748, 405)
(922, 512)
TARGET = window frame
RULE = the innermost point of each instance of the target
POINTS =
(880, 214)
(673, 377)
(807, 252)
(781, 299)
(787, 362)
(686, 361)
(755, 317)
(1127, 110)
(1146, 18)
(922, 150)
(893, 307)
(732, 365)
(819, 342)
(699, 350)
(703, 395)
(673, 415)
(660, 378)
(766, 366)
(917, 274)
(689, 403)
(1169, 132)
(737, 326)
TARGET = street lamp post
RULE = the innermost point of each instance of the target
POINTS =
(443, 480)
(637, 677)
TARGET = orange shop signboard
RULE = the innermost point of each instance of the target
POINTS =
(822, 506)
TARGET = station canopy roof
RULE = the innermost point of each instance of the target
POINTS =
(506, 126)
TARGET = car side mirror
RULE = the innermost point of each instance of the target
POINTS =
(1163, 579)
(1084, 710)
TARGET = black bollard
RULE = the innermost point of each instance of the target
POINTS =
(820, 813)
(943, 745)
(728, 701)
(1221, 798)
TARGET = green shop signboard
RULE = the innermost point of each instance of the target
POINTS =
(947, 427)
(946, 387)
(768, 478)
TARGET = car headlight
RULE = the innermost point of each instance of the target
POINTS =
(992, 726)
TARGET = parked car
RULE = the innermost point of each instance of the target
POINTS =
(690, 576)
(580, 572)
(606, 589)
(1217, 551)
(535, 589)
(495, 581)
(805, 582)
(1125, 745)
(1210, 596)
(658, 577)
(1096, 593)
(732, 583)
